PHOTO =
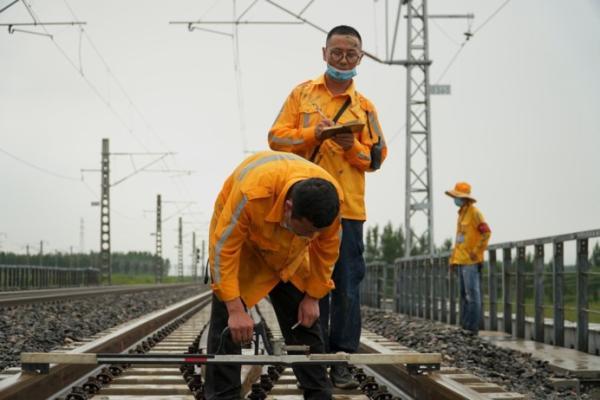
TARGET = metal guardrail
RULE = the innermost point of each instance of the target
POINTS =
(426, 287)
(19, 277)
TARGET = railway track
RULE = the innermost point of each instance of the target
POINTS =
(181, 328)
(14, 298)
(17, 385)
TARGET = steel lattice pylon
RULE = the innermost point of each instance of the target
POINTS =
(419, 203)
(105, 258)
(180, 251)
(158, 267)
(194, 258)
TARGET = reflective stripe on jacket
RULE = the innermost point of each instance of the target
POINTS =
(249, 250)
(294, 131)
(472, 236)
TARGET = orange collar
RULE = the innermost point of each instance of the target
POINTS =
(350, 90)
(276, 212)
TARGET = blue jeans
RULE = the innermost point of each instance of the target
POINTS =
(470, 296)
(340, 311)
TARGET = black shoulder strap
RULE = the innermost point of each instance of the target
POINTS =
(369, 125)
(335, 120)
(206, 273)
(342, 109)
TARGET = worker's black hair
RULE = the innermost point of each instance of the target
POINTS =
(316, 200)
(343, 30)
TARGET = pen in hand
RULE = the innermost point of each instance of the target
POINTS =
(320, 112)
(295, 325)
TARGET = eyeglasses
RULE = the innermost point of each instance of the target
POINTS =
(351, 56)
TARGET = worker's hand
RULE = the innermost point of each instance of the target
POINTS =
(472, 256)
(240, 324)
(319, 129)
(308, 311)
(345, 140)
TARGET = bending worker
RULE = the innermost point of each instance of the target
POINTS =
(301, 128)
(273, 212)
(472, 237)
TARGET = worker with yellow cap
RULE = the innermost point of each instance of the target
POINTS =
(472, 237)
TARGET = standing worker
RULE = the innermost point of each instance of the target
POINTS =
(301, 128)
(274, 231)
(472, 237)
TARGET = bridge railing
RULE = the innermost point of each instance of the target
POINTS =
(20, 277)
(528, 291)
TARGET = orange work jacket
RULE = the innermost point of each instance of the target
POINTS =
(249, 250)
(294, 131)
(472, 236)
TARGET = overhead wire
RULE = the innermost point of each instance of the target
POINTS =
(453, 59)
(397, 24)
(469, 35)
(97, 92)
(375, 28)
(491, 16)
(117, 81)
(41, 169)
(209, 9)
(444, 32)
(57, 175)
(306, 7)
(238, 78)
(133, 104)
(89, 83)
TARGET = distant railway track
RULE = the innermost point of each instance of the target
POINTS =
(13, 298)
(179, 329)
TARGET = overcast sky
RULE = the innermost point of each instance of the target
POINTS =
(521, 125)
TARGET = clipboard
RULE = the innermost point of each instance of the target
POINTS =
(349, 127)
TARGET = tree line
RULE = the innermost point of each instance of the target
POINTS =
(130, 263)
(388, 243)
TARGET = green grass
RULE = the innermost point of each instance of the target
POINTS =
(570, 309)
(570, 295)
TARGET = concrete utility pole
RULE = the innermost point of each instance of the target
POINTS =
(41, 251)
(81, 236)
(194, 258)
(203, 253)
(105, 257)
(180, 251)
(158, 272)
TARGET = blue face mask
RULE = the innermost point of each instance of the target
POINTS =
(459, 202)
(340, 75)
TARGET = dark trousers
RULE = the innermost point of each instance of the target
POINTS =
(223, 381)
(470, 296)
(340, 311)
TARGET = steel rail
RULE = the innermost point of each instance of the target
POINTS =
(447, 384)
(450, 384)
(13, 298)
(29, 386)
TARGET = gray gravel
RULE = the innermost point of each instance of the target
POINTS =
(515, 371)
(43, 327)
